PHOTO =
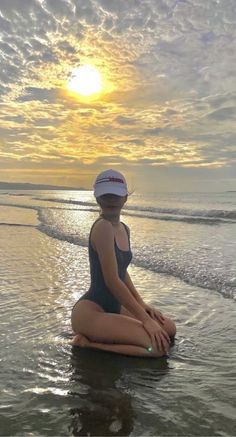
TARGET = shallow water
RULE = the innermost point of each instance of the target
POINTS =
(191, 236)
(49, 388)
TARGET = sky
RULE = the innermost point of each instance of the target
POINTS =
(166, 116)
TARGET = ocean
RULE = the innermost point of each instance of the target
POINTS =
(184, 263)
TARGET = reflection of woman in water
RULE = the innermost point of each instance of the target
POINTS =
(112, 315)
(107, 402)
(103, 405)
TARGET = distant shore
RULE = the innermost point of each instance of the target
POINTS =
(27, 186)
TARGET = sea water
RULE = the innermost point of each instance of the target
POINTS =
(184, 262)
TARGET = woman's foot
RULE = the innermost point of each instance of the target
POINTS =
(79, 340)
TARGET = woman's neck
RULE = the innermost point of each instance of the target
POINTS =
(114, 219)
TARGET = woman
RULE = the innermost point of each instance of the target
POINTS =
(112, 315)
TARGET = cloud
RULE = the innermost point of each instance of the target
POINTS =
(223, 114)
(41, 94)
(125, 120)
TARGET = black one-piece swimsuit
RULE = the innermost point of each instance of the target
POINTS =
(98, 291)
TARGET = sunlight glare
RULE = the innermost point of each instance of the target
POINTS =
(85, 80)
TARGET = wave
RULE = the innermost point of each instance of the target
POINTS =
(185, 212)
(192, 276)
(191, 273)
(17, 224)
(66, 201)
(39, 208)
(202, 213)
(185, 219)
(15, 205)
(8, 193)
(188, 274)
(52, 231)
(198, 216)
(174, 215)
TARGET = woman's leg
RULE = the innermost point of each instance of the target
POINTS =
(168, 325)
(124, 349)
(113, 332)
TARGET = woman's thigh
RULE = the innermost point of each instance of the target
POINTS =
(168, 325)
(82, 313)
(110, 328)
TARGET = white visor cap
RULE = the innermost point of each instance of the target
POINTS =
(110, 182)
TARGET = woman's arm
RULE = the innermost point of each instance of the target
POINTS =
(151, 311)
(128, 282)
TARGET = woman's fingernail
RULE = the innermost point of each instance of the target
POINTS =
(149, 348)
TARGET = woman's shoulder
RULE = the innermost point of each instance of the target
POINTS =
(101, 225)
(101, 231)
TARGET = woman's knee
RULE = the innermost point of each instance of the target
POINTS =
(157, 353)
(170, 327)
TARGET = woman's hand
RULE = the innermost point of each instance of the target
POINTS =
(157, 334)
(154, 314)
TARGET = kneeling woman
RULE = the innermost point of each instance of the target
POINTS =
(112, 315)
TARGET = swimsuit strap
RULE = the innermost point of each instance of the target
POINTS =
(127, 230)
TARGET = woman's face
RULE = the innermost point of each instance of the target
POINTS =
(111, 202)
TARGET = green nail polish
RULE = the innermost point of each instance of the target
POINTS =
(149, 348)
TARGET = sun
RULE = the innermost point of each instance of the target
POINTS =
(85, 80)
